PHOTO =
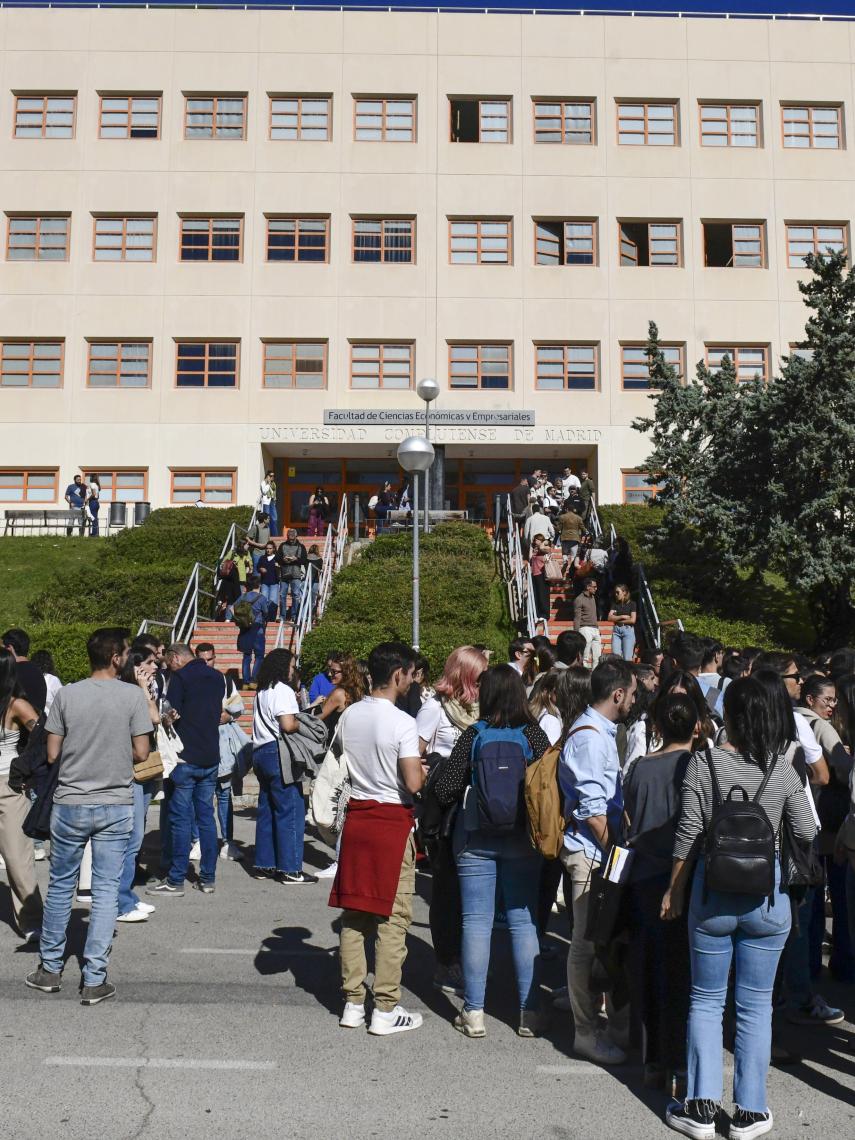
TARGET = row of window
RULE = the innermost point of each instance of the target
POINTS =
(393, 118)
(559, 366)
(392, 241)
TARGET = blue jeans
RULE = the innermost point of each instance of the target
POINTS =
(270, 591)
(724, 927)
(281, 818)
(296, 587)
(274, 518)
(193, 791)
(249, 668)
(623, 641)
(109, 827)
(142, 798)
(225, 808)
(485, 862)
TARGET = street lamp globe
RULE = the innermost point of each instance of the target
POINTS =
(415, 454)
(427, 389)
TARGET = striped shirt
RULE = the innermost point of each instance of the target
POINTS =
(784, 792)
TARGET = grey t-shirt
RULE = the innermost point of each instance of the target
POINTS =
(97, 720)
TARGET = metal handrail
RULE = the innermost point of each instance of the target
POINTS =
(651, 627)
(530, 604)
(303, 622)
(594, 524)
(612, 536)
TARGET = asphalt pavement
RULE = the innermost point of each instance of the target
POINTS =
(225, 1025)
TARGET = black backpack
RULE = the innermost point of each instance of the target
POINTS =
(740, 841)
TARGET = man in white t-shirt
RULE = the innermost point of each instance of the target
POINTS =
(381, 744)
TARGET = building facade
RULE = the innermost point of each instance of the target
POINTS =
(236, 239)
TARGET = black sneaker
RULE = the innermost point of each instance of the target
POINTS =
(92, 995)
(165, 888)
(695, 1118)
(261, 872)
(745, 1125)
(297, 880)
(205, 888)
(44, 980)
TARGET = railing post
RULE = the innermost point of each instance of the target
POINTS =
(356, 517)
(497, 512)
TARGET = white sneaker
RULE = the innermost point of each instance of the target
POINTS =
(396, 1020)
(196, 852)
(328, 872)
(231, 852)
(353, 1016)
(39, 854)
(470, 1022)
(146, 908)
(597, 1048)
(135, 915)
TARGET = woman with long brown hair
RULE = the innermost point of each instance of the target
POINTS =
(349, 688)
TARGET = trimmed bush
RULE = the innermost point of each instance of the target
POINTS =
(67, 645)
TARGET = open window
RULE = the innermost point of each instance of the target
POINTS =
(650, 243)
(475, 120)
(733, 245)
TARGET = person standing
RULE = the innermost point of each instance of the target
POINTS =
(75, 496)
(571, 527)
(93, 505)
(251, 638)
(520, 499)
(622, 614)
(258, 536)
(267, 500)
(586, 491)
(97, 729)
(538, 557)
(319, 513)
(586, 622)
(30, 677)
(268, 572)
(43, 661)
(292, 559)
(324, 682)
(315, 564)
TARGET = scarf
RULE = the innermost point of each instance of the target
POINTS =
(461, 714)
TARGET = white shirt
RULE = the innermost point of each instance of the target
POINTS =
(434, 726)
(270, 704)
(375, 735)
(807, 740)
(551, 725)
(53, 685)
(538, 523)
(569, 482)
(266, 494)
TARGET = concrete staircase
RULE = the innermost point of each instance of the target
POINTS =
(561, 611)
(223, 636)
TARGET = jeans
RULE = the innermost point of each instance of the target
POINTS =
(93, 514)
(623, 641)
(270, 592)
(109, 827)
(484, 862)
(142, 798)
(296, 587)
(193, 791)
(281, 817)
(250, 667)
(274, 518)
(225, 809)
(841, 961)
(747, 931)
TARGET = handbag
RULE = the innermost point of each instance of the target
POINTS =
(606, 901)
(170, 746)
(552, 571)
(150, 768)
(330, 786)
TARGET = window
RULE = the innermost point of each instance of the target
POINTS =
(561, 121)
(384, 239)
(215, 117)
(565, 243)
(476, 120)
(479, 242)
(734, 245)
(479, 366)
(730, 124)
(813, 127)
(17, 486)
(31, 363)
(42, 238)
(650, 243)
(211, 239)
(298, 239)
(295, 364)
(636, 489)
(306, 118)
(129, 117)
(119, 364)
(635, 366)
(813, 238)
(381, 365)
(384, 120)
(647, 124)
(214, 487)
(122, 486)
(566, 367)
(44, 116)
(207, 364)
(751, 361)
(124, 239)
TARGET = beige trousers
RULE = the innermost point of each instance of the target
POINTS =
(17, 851)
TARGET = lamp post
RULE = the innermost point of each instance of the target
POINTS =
(428, 390)
(415, 455)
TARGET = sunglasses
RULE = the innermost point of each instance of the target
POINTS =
(791, 676)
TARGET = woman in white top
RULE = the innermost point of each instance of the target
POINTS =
(93, 504)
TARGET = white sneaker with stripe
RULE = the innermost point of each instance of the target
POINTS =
(396, 1020)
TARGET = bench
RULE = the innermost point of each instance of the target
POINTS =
(51, 521)
(435, 516)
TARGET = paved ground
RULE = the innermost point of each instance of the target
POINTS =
(225, 1025)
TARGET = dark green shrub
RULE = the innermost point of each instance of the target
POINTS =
(67, 645)
(123, 596)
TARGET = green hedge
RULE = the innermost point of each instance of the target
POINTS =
(67, 645)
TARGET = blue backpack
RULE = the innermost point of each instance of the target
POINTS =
(499, 760)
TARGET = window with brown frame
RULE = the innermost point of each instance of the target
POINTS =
(119, 364)
(384, 119)
(566, 367)
(650, 243)
(565, 122)
(211, 239)
(647, 124)
(381, 365)
(124, 239)
(730, 124)
(734, 245)
(390, 240)
(480, 366)
(751, 361)
(479, 241)
(636, 489)
(812, 127)
(42, 237)
(566, 241)
(214, 487)
(45, 116)
(816, 238)
(301, 118)
(207, 363)
(129, 117)
(298, 239)
(635, 364)
(19, 485)
(480, 120)
(123, 485)
(295, 364)
(215, 116)
(31, 363)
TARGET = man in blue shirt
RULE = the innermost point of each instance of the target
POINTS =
(323, 683)
(589, 774)
(75, 496)
(251, 641)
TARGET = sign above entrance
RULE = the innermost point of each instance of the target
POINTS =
(386, 417)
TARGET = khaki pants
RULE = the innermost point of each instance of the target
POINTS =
(390, 947)
(586, 1005)
(593, 645)
(17, 851)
